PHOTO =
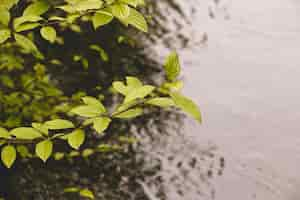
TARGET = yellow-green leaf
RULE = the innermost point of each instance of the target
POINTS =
(120, 10)
(4, 35)
(25, 133)
(4, 133)
(101, 18)
(87, 193)
(28, 45)
(87, 111)
(137, 20)
(140, 92)
(58, 124)
(8, 155)
(101, 124)
(44, 149)
(48, 33)
(92, 101)
(37, 8)
(130, 113)
(161, 101)
(187, 106)
(76, 138)
(172, 66)
(4, 17)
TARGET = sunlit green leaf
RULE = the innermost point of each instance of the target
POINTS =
(23, 151)
(132, 113)
(92, 101)
(4, 133)
(27, 26)
(87, 193)
(87, 152)
(4, 35)
(8, 155)
(28, 45)
(88, 4)
(71, 189)
(172, 66)
(137, 20)
(58, 124)
(101, 18)
(87, 111)
(25, 133)
(44, 149)
(40, 127)
(25, 19)
(59, 156)
(133, 3)
(101, 124)
(161, 101)
(140, 92)
(48, 33)
(187, 105)
(103, 54)
(76, 138)
(37, 8)
(121, 10)
(4, 17)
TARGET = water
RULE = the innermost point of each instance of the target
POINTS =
(241, 65)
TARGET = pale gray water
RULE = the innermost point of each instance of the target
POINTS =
(246, 79)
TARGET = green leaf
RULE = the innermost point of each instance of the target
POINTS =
(48, 33)
(25, 19)
(27, 26)
(59, 156)
(161, 101)
(71, 189)
(84, 5)
(38, 8)
(137, 20)
(86, 193)
(76, 138)
(87, 152)
(132, 113)
(4, 17)
(133, 3)
(23, 151)
(44, 149)
(8, 155)
(172, 66)
(120, 10)
(8, 4)
(4, 35)
(139, 93)
(58, 124)
(40, 127)
(101, 124)
(4, 133)
(101, 18)
(25, 133)
(92, 101)
(187, 106)
(87, 111)
(133, 82)
(103, 54)
(120, 87)
(28, 45)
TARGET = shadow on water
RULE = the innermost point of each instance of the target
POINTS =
(164, 164)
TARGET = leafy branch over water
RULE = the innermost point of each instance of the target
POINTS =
(48, 17)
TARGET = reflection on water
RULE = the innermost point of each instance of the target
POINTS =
(245, 78)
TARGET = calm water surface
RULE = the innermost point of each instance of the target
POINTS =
(245, 75)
